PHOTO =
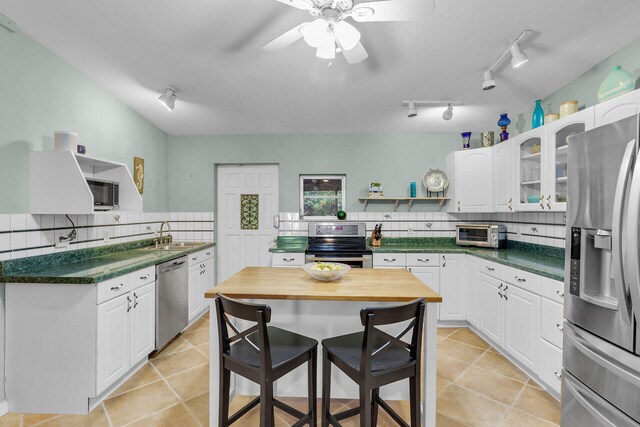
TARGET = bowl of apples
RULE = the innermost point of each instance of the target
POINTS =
(326, 271)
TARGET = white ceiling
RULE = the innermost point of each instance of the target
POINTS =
(210, 50)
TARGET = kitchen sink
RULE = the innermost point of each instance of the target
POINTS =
(175, 246)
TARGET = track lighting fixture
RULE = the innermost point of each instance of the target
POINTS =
(168, 98)
(446, 115)
(412, 110)
(517, 59)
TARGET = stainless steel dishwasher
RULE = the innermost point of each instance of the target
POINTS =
(172, 304)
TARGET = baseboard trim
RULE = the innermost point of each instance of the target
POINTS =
(4, 408)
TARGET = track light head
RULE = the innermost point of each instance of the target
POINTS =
(168, 98)
(412, 110)
(487, 82)
(448, 113)
(517, 56)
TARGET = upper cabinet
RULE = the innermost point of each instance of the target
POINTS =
(530, 150)
(503, 172)
(617, 108)
(58, 183)
(471, 188)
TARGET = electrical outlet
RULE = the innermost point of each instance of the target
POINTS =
(61, 243)
(107, 232)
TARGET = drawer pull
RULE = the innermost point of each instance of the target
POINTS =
(560, 327)
(423, 260)
(195, 258)
(389, 260)
(490, 268)
(520, 279)
(145, 277)
(117, 288)
(560, 294)
(288, 259)
(558, 374)
(208, 253)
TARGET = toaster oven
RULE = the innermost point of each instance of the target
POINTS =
(482, 235)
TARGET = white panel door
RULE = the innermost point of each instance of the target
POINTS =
(491, 308)
(503, 177)
(522, 325)
(452, 287)
(238, 248)
(430, 276)
(143, 322)
(113, 340)
(617, 108)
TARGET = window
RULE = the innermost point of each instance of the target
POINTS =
(322, 196)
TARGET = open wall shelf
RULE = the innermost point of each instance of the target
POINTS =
(397, 200)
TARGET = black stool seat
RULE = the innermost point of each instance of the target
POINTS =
(285, 346)
(348, 348)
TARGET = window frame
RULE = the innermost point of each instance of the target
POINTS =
(341, 177)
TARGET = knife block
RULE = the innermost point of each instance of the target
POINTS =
(375, 241)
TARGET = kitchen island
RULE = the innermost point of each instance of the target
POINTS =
(325, 309)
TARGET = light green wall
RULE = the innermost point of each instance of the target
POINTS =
(584, 89)
(393, 159)
(40, 93)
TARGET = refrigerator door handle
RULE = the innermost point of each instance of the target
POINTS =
(617, 267)
(631, 266)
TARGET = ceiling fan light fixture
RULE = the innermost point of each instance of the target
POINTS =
(168, 98)
(517, 56)
(316, 32)
(347, 35)
(327, 49)
(448, 113)
(412, 110)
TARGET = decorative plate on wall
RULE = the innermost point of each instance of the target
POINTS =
(435, 180)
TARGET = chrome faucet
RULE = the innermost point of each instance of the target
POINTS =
(168, 238)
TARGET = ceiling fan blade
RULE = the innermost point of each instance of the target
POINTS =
(355, 55)
(327, 49)
(316, 32)
(390, 10)
(346, 34)
(298, 4)
(286, 39)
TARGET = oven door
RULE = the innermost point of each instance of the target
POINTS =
(469, 235)
(352, 260)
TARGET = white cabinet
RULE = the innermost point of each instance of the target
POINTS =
(522, 325)
(491, 308)
(452, 287)
(113, 341)
(617, 108)
(143, 322)
(503, 171)
(126, 331)
(470, 174)
(287, 259)
(430, 276)
(549, 367)
(201, 279)
(531, 164)
(473, 290)
(389, 260)
(551, 321)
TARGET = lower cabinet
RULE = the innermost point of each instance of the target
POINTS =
(522, 325)
(430, 276)
(491, 307)
(452, 287)
(125, 333)
(549, 367)
(473, 290)
(201, 279)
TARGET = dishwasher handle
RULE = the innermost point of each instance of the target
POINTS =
(174, 266)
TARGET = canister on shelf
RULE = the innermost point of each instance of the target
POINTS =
(486, 138)
(551, 118)
(567, 108)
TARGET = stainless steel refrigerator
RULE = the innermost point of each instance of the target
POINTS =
(601, 362)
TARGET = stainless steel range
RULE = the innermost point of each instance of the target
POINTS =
(601, 376)
(344, 242)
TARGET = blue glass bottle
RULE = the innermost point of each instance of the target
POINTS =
(538, 116)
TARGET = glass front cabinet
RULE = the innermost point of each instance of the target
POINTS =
(541, 161)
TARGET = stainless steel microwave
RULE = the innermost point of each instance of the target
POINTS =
(482, 235)
(106, 194)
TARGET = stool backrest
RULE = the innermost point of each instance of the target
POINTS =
(372, 317)
(258, 313)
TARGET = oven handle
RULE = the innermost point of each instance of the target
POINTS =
(365, 258)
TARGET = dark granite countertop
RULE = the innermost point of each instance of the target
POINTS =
(87, 266)
(542, 260)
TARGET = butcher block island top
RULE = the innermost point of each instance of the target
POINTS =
(366, 284)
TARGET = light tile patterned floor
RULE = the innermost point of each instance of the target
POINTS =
(476, 386)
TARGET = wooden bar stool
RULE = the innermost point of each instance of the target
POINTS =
(261, 354)
(374, 358)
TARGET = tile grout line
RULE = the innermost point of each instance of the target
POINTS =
(106, 414)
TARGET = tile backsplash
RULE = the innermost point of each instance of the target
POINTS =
(23, 235)
(546, 228)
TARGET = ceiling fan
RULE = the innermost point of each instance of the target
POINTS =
(329, 32)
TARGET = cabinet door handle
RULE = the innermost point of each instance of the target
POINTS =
(390, 259)
(520, 279)
(560, 327)
(549, 201)
(558, 374)
(409, 268)
(509, 203)
(135, 300)
(208, 253)
(505, 292)
(500, 287)
(500, 294)
(128, 304)
(542, 201)
(423, 260)
(560, 294)
(444, 261)
(490, 268)
(276, 221)
(458, 205)
(117, 288)
(195, 258)
(145, 277)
